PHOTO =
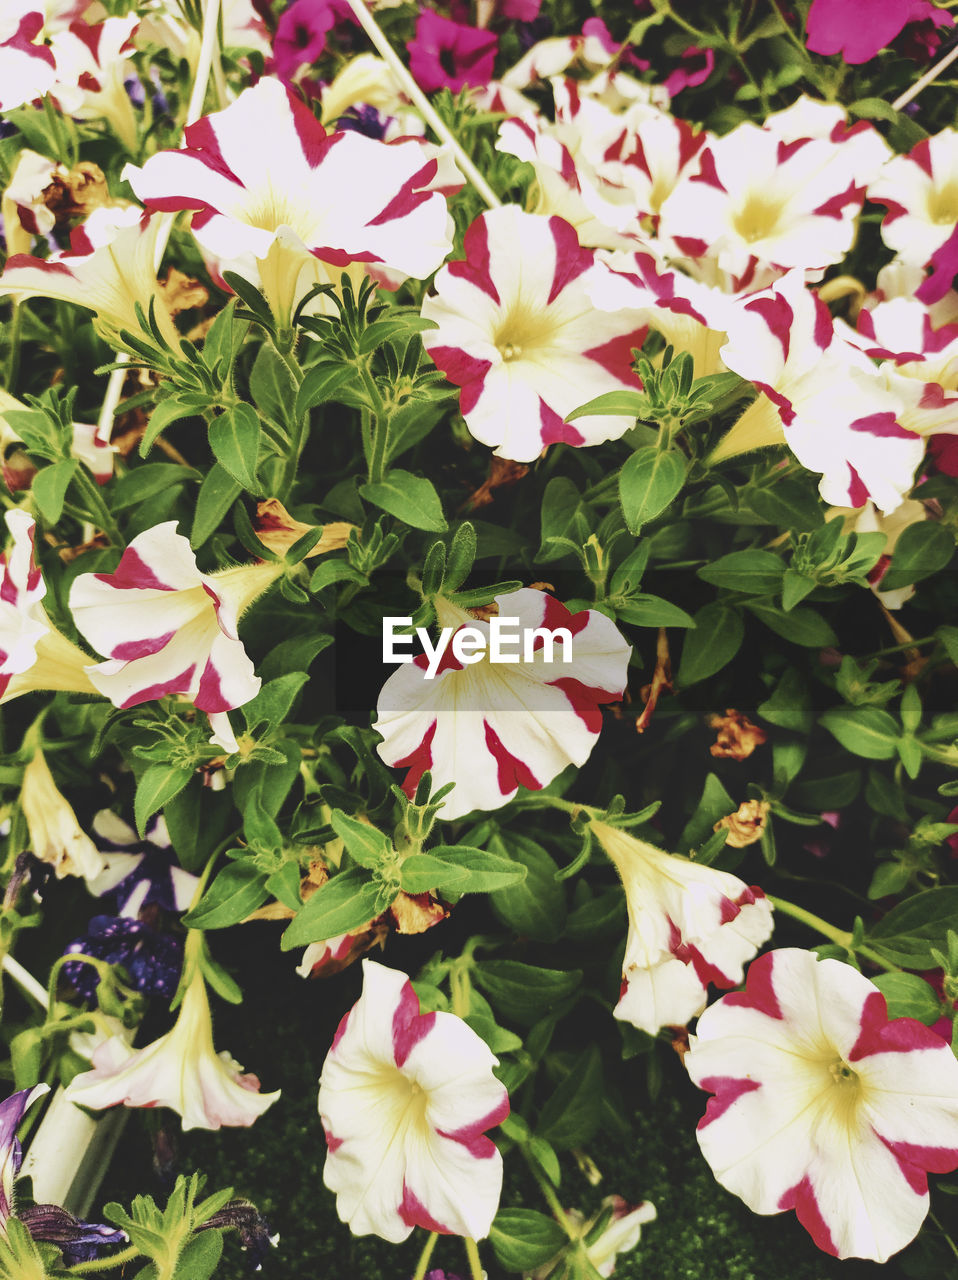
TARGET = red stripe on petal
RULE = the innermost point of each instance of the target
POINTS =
(708, 173)
(133, 573)
(417, 762)
(691, 246)
(883, 425)
(511, 772)
(21, 261)
(921, 154)
(410, 196)
(462, 369)
(824, 329)
(203, 144)
(879, 1035)
(778, 316)
(803, 1200)
(727, 1090)
(332, 1142)
(759, 990)
(836, 206)
(313, 139)
(129, 650)
(475, 269)
(553, 430)
(409, 1025)
(472, 1136)
(555, 615)
(915, 1161)
(340, 1030)
(584, 700)
(177, 684)
(857, 489)
(210, 696)
(571, 259)
(615, 356)
(415, 1214)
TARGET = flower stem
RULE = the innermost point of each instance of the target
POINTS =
(13, 357)
(548, 1191)
(106, 1264)
(932, 74)
(472, 1253)
(429, 113)
(423, 1263)
(836, 935)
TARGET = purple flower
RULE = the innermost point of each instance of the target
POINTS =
(139, 872)
(301, 33)
(366, 120)
(245, 1219)
(12, 1111)
(152, 959)
(447, 55)
(77, 1241)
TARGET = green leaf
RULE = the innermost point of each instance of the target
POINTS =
(217, 494)
(790, 706)
(889, 878)
(197, 821)
(329, 572)
(795, 587)
(524, 992)
(166, 412)
(714, 803)
(788, 504)
(865, 731)
(323, 382)
(717, 638)
(536, 906)
(909, 996)
(411, 499)
(907, 934)
(624, 404)
(274, 700)
(571, 1115)
(923, 549)
(801, 625)
(201, 1256)
(757, 572)
(365, 844)
(271, 385)
(648, 483)
(459, 869)
(50, 486)
(643, 610)
(235, 438)
(146, 481)
(949, 638)
(238, 889)
(160, 783)
(345, 903)
(523, 1239)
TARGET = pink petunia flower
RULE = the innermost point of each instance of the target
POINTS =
(690, 926)
(405, 1099)
(448, 55)
(858, 29)
(695, 67)
(518, 332)
(823, 1105)
(492, 727)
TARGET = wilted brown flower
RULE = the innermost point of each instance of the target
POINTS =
(277, 529)
(182, 292)
(502, 471)
(746, 826)
(737, 735)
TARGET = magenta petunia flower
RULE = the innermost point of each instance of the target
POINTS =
(448, 55)
(857, 29)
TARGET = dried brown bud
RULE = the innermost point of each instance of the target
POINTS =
(182, 292)
(417, 912)
(502, 472)
(737, 735)
(745, 826)
(277, 529)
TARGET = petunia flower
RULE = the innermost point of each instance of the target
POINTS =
(301, 34)
(858, 29)
(450, 55)
(920, 193)
(405, 1099)
(868, 519)
(823, 1105)
(518, 332)
(108, 270)
(821, 396)
(286, 205)
(695, 67)
(27, 67)
(33, 654)
(690, 926)
(621, 1234)
(491, 727)
(78, 1241)
(139, 872)
(93, 61)
(56, 836)
(167, 628)
(12, 1111)
(180, 1070)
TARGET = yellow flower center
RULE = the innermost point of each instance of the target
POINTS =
(523, 332)
(758, 218)
(943, 204)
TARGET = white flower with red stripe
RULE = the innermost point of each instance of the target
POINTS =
(690, 926)
(284, 204)
(786, 204)
(405, 1099)
(823, 1105)
(108, 270)
(821, 396)
(167, 628)
(492, 727)
(920, 192)
(518, 333)
(93, 61)
(27, 67)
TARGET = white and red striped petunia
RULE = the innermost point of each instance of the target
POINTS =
(405, 1099)
(754, 195)
(284, 204)
(494, 727)
(93, 62)
(518, 333)
(167, 628)
(27, 69)
(821, 396)
(823, 1105)
(108, 270)
(920, 193)
(690, 926)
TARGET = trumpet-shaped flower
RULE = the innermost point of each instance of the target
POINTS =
(405, 1099)
(33, 655)
(181, 1070)
(12, 1111)
(449, 55)
(920, 192)
(93, 61)
(821, 396)
(823, 1105)
(167, 628)
(284, 204)
(518, 332)
(27, 69)
(690, 926)
(109, 270)
(492, 727)
(56, 836)
(857, 29)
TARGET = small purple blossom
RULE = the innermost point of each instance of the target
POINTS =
(152, 959)
(12, 1111)
(78, 1241)
(448, 55)
(140, 872)
(366, 120)
(301, 33)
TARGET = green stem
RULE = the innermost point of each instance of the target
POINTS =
(787, 30)
(95, 506)
(472, 1253)
(681, 22)
(548, 1191)
(423, 1263)
(380, 425)
(898, 648)
(836, 935)
(13, 357)
(106, 1264)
